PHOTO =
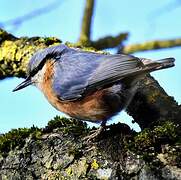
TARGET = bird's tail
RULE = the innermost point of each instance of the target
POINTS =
(150, 65)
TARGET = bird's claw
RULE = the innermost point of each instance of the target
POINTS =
(94, 134)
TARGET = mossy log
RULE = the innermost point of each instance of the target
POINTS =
(59, 152)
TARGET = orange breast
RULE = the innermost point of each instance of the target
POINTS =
(91, 108)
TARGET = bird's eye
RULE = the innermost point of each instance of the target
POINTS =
(57, 57)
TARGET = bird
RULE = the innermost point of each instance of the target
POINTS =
(88, 86)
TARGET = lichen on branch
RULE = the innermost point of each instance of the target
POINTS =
(15, 52)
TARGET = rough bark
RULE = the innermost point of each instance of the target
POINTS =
(119, 153)
(152, 105)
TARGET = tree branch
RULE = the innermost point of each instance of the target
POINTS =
(109, 41)
(15, 52)
(6, 36)
(151, 45)
(152, 105)
(86, 22)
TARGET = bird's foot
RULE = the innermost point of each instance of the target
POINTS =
(94, 134)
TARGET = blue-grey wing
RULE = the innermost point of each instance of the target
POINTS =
(72, 72)
(114, 68)
(80, 72)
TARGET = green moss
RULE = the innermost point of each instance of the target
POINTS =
(50, 40)
(143, 139)
(149, 141)
(66, 125)
(17, 138)
(168, 130)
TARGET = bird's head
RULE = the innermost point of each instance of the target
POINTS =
(36, 66)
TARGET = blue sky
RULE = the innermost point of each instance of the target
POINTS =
(139, 18)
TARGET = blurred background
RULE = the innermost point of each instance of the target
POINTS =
(143, 20)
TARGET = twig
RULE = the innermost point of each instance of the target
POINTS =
(109, 41)
(86, 22)
(152, 45)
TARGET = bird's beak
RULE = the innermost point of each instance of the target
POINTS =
(24, 84)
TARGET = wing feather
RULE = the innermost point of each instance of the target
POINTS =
(114, 68)
(80, 72)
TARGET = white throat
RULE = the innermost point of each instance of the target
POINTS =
(38, 77)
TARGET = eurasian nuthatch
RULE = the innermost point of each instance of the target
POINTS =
(87, 85)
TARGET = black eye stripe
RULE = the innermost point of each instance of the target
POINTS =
(53, 55)
(39, 67)
(39, 59)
